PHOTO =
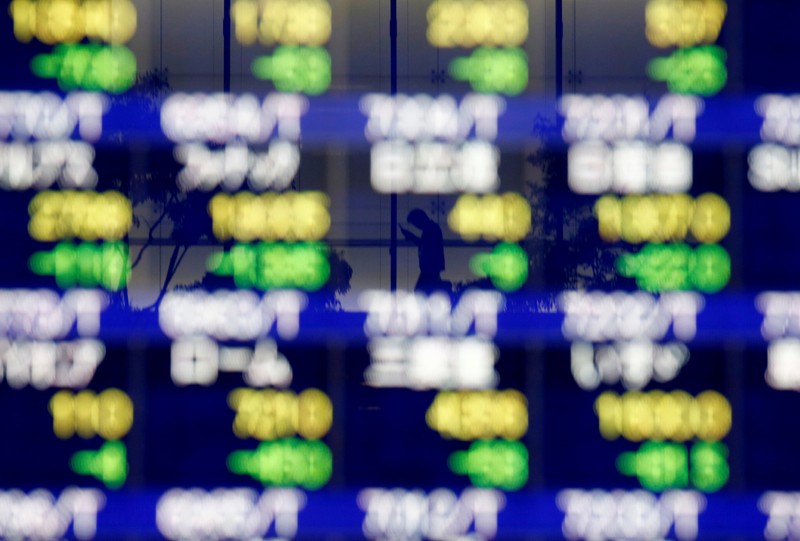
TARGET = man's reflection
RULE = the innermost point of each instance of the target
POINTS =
(430, 246)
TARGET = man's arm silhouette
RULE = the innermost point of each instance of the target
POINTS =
(411, 237)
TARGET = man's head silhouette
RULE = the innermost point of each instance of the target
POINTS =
(417, 217)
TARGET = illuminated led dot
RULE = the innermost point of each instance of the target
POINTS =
(108, 415)
(608, 210)
(714, 416)
(274, 265)
(85, 215)
(662, 218)
(711, 268)
(490, 71)
(670, 267)
(506, 266)
(59, 21)
(631, 514)
(495, 463)
(637, 416)
(476, 411)
(709, 470)
(88, 67)
(662, 466)
(269, 414)
(23, 12)
(712, 218)
(656, 415)
(296, 22)
(472, 415)
(296, 69)
(286, 462)
(314, 413)
(504, 217)
(510, 415)
(469, 23)
(288, 22)
(771, 165)
(245, 21)
(596, 167)
(697, 70)
(658, 465)
(69, 21)
(684, 23)
(270, 216)
(672, 413)
(609, 410)
(109, 464)
(674, 214)
(86, 265)
(640, 218)
(111, 21)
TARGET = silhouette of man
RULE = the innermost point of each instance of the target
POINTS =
(430, 247)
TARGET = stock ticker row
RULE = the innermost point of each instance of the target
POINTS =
(447, 270)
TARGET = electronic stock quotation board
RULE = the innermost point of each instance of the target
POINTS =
(221, 320)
